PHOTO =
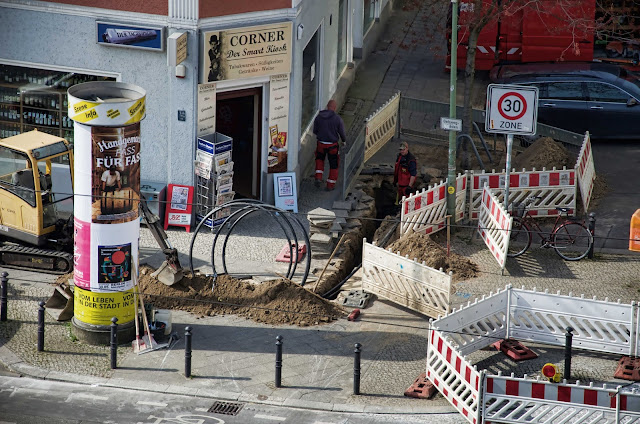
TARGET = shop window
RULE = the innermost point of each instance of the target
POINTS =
(369, 15)
(37, 99)
(310, 79)
(342, 35)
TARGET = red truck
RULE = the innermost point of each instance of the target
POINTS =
(550, 30)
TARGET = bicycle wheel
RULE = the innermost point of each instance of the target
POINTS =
(520, 238)
(572, 241)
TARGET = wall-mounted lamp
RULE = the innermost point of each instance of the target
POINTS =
(300, 31)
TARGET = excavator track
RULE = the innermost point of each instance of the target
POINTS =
(35, 259)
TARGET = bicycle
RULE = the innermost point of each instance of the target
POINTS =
(570, 237)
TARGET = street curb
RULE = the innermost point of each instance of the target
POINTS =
(16, 365)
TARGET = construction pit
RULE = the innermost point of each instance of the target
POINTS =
(371, 213)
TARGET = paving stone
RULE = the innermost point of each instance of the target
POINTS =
(343, 205)
(321, 217)
(340, 213)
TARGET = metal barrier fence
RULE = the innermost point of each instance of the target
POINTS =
(404, 281)
(600, 326)
(555, 188)
(351, 163)
(426, 211)
(416, 115)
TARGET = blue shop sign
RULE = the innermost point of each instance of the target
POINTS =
(120, 35)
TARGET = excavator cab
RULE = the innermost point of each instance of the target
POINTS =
(36, 201)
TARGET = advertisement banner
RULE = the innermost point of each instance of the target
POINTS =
(98, 308)
(81, 256)
(247, 52)
(114, 251)
(206, 109)
(278, 122)
(119, 35)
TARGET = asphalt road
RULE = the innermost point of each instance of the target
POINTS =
(26, 400)
(619, 164)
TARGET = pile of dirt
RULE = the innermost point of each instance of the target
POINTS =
(423, 249)
(545, 152)
(276, 302)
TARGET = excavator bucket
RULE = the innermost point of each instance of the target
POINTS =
(60, 304)
(167, 274)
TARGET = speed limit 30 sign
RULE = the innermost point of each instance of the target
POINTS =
(511, 109)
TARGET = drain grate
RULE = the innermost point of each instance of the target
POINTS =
(226, 408)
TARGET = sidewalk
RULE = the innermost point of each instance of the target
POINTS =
(234, 359)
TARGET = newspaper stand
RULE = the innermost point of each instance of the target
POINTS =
(179, 206)
(213, 177)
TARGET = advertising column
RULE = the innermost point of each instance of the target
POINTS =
(106, 119)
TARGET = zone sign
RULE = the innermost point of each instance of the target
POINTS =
(511, 109)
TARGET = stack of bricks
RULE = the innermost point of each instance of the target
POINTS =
(327, 226)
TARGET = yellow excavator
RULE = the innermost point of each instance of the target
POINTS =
(36, 207)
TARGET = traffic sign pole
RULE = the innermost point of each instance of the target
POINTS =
(511, 109)
(451, 174)
(508, 170)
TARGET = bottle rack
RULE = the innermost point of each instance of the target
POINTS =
(37, 99)
(41, 109)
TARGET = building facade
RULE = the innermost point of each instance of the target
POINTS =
(255, 71)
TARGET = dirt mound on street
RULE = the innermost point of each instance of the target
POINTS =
(545, 152)
(423, 249)
(276, 302)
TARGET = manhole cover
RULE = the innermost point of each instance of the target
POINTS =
(351, 106)
(226, 408)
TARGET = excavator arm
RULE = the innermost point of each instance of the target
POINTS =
(170, 272)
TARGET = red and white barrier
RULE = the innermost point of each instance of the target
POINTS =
(586, 172)
(519, 400)
(494, 226)
(511, 400)
(426, 211)
(454, 377)
(555, 188)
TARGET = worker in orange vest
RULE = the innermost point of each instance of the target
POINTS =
(329, 129)
(405, 172)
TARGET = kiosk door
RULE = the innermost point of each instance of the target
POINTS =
(238, 115)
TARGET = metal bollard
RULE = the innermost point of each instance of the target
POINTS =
(279, 361)
(592, 229)
(114, 343)
(41, 327)
(187, 352)
(4, 281)
(356, 369)
(568, 341)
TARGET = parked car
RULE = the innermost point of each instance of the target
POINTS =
(601, 98)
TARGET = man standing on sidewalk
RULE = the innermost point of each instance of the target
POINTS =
(405, 171)
(329, 130)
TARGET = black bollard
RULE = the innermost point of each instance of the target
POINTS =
(592, 230)
(41, 327)
(279, 361)
(568, 341)
(356, 369)
(187, 352)
(114, 343)
(4, 281)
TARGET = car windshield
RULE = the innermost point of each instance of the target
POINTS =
(631, 76)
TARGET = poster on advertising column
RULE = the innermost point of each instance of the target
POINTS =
(278, 123)
(246, 52)
(115, 174)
